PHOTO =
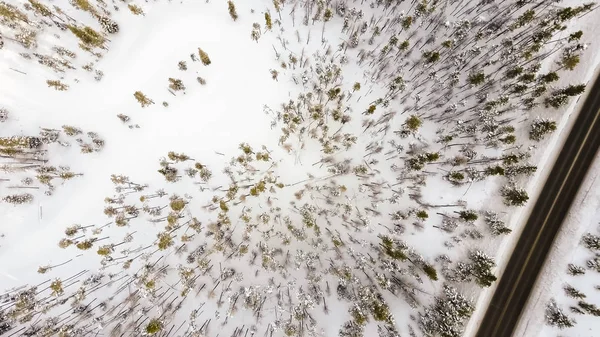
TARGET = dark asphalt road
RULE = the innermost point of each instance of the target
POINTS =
(550, 210)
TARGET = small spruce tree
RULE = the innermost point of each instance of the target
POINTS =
(88, 36)
(58, 85)
(142, 99)
(514, 196)
(204, 57)
(232, 11)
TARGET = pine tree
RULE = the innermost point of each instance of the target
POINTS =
(58, 85)
(3, 115)
(497, 226)
(88, 36)
(108, 24)
(514, 196)
(556, 317)
(447, 316)
(135, 9)
(591, 241)
(468, 215)
(204, 57)
(575, 270)
(541, 127)
(232, 11)
(40, 8)
(589, 308)
(413, 123)
(572, 292)
(268, 21)
(176, 84)
(142, 99)
(569, 61)
(481, 265)
(476, 78)
(154, 326)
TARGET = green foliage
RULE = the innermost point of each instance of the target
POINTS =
(413, 123)
(541, 127)
(204, 57)
(514, 72)
(431, 56)
(154, 326)
(430, 272)
(380, 311)
(56, 287)
(371, 110)
(407, 22)
(58, 85)
(165, 240)
(569, 61)
(232, 11)
(12, 13)
(456, 177)
(476, 78)
(356, 87)
(392, 250)
(268, 21)
(573, 90)
(177, 204)
(572, 292)
(327, 15)
(83, 5)
(404, 45)
(589, 308)
(142, 99)
(524, 19)
(39, 8)
(481, 266)
(549, 77)
(135, 9)
(85, 245)
(575, 36)
(448, 43)
(514, 196)
(422, 214)
(88, 36)
(468, 215)
(176, 84)
(105, 250)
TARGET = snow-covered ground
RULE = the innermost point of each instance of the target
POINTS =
(298, 265)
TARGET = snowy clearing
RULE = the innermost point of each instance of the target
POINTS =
(245, 168)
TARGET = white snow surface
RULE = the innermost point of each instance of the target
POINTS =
(208, 123)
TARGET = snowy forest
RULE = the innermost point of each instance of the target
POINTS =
(207, 168)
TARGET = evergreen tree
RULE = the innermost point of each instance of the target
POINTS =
(591, 241)
(232, 11)
(481, 266)
(572, 292)
(142, 99)
(88, 36)
(541, 127)
(556, 317)
(575, 270)
(176, 84)
(497, 226)
(135, 9)
(514, 196)
(203, 57)
(58, 85)
(448, 314)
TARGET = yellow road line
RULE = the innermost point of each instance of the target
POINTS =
(512, 293)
